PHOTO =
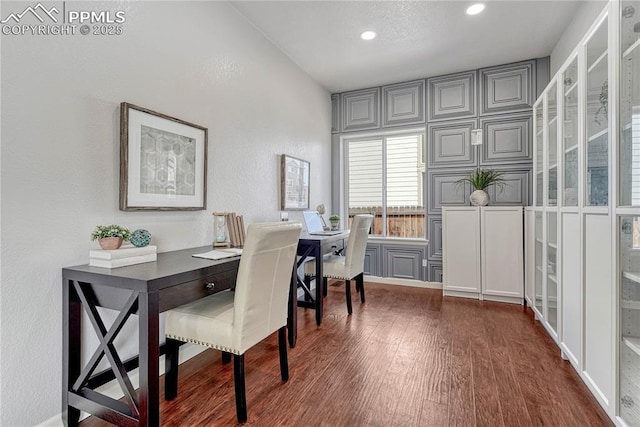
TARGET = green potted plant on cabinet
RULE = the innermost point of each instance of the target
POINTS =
(480, 180)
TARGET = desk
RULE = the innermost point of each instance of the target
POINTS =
(316, 246)
(148, 289)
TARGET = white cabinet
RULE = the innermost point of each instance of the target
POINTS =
(483, 252)
(461, 251)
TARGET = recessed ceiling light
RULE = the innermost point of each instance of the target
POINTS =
(475, 9)
(368, 35)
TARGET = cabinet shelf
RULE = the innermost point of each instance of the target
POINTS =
(552, 121)
(631, 48)
(552, 245)
(597, 61)
(572, 87)
(634, 276)
(553, 278)
(598, 135)
(633, 343)
(631, 304)
(570, 149)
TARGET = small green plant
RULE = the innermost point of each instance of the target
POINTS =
(112, 230)
(334, 218)
(481, 179)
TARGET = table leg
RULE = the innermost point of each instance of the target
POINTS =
(292, 312)
(149, 392)
(317, 253)
(71, 330)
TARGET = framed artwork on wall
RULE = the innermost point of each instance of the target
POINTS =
(294, 184)
(163, 161)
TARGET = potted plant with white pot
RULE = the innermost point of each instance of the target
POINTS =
(335, 221)
(480, 180)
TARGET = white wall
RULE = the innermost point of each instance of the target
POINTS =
(198, 61)
(585, 15)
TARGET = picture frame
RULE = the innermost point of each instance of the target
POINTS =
(294, 183)
(163, 161)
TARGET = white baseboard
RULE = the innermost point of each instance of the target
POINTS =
(403, 282)
(113, 390)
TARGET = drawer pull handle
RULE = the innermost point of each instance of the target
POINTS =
(210, 286)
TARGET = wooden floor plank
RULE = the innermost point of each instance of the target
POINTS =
(407, 357)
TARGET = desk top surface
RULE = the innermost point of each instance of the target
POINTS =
(304, 236)
(170, 268)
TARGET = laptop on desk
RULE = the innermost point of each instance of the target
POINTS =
(313, 222)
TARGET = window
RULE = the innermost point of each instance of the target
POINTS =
(385, 178)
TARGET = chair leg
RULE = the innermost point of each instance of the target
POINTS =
(360, 282)
(282, 347)
(238, 380)
(347, 288)
(325, 282)
(171, 368)
(226, 357)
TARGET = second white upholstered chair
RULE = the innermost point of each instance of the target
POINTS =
(351, 265)
(234, 321)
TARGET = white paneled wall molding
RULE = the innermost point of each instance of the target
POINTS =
(447, 111)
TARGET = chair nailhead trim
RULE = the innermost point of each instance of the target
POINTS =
(331, 276)
(204, 344)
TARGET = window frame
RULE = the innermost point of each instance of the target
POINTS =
(421, 169)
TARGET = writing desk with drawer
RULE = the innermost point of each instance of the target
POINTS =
(143, 289)
(315, 246)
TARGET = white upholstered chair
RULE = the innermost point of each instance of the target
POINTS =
(351, 265)
(234, 321)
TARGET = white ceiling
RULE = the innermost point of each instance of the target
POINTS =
(416, 39)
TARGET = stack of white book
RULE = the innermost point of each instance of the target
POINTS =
(126, 255)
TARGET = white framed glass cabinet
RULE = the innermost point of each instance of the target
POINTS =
(572, 287)
(628, 215)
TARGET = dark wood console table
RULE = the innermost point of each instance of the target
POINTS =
(146, 290)
(316, 246)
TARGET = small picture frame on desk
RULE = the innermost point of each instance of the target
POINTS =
(163, 162)
(294, 184)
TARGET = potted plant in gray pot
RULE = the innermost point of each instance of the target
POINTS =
(480, 180)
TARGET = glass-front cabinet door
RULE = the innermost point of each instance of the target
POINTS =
(630, 320)
(570, 135)
(629, 182)
(538, 118)
(597, 119)
(552, 277)
(552, 146)
(629, 226)
(538, 262)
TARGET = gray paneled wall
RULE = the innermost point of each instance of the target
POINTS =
(498, 100)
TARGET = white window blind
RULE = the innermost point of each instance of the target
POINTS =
(385, 178)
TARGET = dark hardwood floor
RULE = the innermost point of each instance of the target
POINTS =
(407, 357)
